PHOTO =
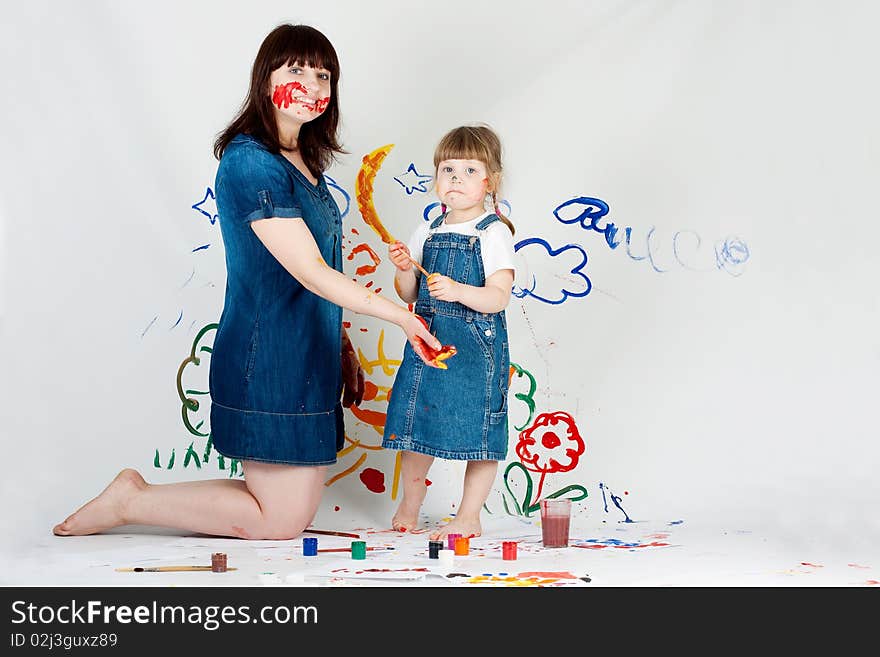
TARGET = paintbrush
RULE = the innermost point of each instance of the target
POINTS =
(328, 532)
(165, 569)
(418, 266)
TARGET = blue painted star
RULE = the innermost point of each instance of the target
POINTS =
(412, 181)
(210, 211)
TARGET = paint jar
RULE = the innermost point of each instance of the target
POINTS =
(358, 549)
(434, 548)
(445, 558)
(462, 546)
(310, 547)
(450, 540)
(555, 522)
(218, 562)
(508, 550)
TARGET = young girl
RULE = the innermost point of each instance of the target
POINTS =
(460, 412)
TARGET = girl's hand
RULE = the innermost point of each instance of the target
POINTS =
(399, 254)
(443, 288)
(352, 375)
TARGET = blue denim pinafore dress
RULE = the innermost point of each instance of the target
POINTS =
(461, 412)
(275, 377)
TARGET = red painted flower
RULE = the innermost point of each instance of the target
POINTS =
(552, 444)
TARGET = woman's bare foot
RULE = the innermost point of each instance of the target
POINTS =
(107, 510)
(468, 527)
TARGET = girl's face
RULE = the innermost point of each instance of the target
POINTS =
(462, 184)
(298, 92)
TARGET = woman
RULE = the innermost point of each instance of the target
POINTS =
(275, 379)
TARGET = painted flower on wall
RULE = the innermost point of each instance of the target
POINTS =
(552, 444)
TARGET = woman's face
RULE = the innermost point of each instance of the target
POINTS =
(300, 92)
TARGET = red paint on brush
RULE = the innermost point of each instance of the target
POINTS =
(373, 479)
(283, 94)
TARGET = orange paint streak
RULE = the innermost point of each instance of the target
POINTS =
(396, 479)
(556, 575)
(365, 269)
(370, 390)
(347, 471)
(364, 190)
(374, 418)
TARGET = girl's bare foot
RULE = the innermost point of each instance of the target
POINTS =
(107, 510)
(465, 526)
(406, 519)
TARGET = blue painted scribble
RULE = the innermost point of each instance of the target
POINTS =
(614, 499)
(179, 317)
(413, 181)
(731, 255)
(201, 248)
(592, 210)
(210, 211)
(334, 186)
(520, 292)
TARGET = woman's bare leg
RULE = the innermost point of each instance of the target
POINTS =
(413, 469)
(274, 501)
(478, 479)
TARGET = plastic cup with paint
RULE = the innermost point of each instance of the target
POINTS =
(445, 558)
(450, 540)
(555, 522)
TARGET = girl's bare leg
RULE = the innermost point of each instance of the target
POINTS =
(413, 469)
(478, 479)
(258, 507)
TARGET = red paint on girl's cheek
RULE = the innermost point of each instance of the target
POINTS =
(321, 105)
(283, 94)
(373, 479)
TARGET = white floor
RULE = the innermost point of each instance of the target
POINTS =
(662, 554)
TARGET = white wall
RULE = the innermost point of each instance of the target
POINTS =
(742, 393)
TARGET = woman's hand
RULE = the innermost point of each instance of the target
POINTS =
(427, 346)
(352, 375)
(399, 254)
(443, 288)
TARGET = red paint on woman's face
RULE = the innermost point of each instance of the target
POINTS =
(283, 94)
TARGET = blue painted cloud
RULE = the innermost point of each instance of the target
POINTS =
(555, 266)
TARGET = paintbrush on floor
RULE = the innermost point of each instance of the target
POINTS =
(166, 569)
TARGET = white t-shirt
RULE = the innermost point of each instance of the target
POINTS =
(496, 242)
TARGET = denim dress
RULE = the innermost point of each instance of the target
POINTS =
(461, 412)
(275, 377)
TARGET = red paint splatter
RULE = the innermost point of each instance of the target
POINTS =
(347, 324)
(336, 508)
(626, 492)
(855, 565)
(321, 105)
(377, 290)
(872, 582)
(283, 94)
(427, 482)
(363, 330)
(373, 479)
(355, 231)
(370, 284)
(812, 565)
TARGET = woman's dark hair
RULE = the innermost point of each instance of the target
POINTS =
(287, 45)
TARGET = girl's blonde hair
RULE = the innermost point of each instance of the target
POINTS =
(475, 142)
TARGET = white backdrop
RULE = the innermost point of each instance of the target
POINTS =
(719, 362)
